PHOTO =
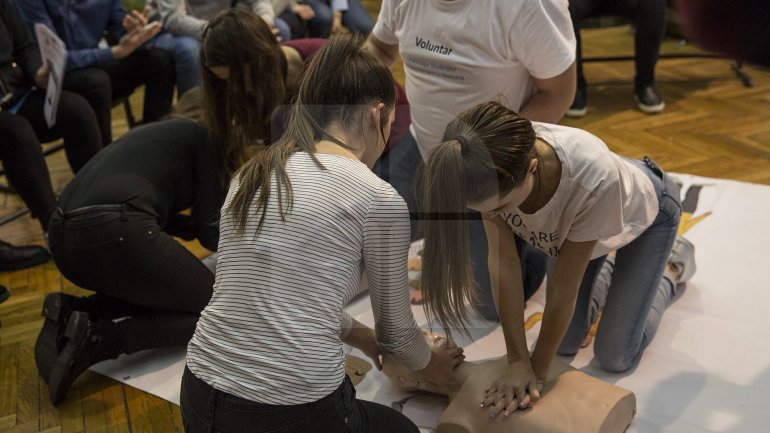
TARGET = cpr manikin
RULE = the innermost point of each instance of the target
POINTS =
(572, 401)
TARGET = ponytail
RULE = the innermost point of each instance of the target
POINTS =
(485, 153)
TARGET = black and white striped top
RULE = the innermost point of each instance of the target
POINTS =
(272, 330)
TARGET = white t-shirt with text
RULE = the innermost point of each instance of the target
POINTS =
(459, 53)
(600, 196)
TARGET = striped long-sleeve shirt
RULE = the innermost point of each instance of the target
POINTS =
(272, 331)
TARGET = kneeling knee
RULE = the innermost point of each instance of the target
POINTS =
(613, 362)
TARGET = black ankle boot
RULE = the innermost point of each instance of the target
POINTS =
(57, 308)
(87, 344)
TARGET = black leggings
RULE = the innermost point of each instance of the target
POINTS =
(649, 25)
(22, 155)
(139, 273)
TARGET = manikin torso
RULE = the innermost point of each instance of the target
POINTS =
(572, 401)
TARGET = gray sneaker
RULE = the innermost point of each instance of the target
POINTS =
(649, 100)
(683, 259)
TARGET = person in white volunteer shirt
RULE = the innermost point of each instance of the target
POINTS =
(458, 53)
(568, 195)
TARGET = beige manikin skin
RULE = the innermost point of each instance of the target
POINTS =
(572, 401)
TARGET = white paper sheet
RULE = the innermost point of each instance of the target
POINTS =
(54, 54)
(707, 370)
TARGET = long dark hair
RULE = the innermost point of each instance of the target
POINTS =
(237, 110)
(340, 79)
(486, 151)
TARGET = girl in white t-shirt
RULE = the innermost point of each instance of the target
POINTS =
(563, 191)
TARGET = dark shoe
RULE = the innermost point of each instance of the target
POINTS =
(13, 258)
(578, 107)
(649, 100)
(56, 310)
(4, 294)
(76, 356)
(683, 259)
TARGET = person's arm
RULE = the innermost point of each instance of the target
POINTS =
(362, 338)
(519, 381)
(339, 7)
(542, 38)
(35, 12)
(561, 295)
(175, 19)
(209, 194)
(25, 52)
(263, 9)
(385, 53)
(115, 29)
(385, 251)
(382, 42)
(552, 97)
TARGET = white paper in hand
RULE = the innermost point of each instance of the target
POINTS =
(54, 54)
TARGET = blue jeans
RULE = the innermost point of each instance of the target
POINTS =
(357, 19)
(283, 29)
(186, 53)
(399, 167)
(206, 409)
(637, 296)
(321, 24)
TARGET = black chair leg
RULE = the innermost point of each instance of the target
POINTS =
(741, 73)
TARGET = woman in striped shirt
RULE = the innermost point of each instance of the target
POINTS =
(300, 224)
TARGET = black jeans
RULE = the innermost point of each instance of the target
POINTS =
(139, 273)
(649, 25)
(22, 155)
(75, 123)
(154, 68)
(207, 410)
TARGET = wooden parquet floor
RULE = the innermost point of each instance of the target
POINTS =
(712, 126)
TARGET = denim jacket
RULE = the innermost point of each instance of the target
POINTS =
(81, 24)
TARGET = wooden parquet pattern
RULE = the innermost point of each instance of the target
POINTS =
(712, 126)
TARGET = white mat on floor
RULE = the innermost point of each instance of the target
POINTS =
(708, 368)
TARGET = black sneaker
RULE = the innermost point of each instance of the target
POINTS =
(4, 294)
(13, 258)
(578, 107)
(649, 100)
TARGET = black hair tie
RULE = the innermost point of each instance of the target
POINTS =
(464, 145)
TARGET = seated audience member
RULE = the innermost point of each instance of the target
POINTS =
(104, 73)
(185, 50)
(113, 230)
(189, 17)
(308, 202)
(649, 26)
(295, 20)
(23, 79)
(352, 15)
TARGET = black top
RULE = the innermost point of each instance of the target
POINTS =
(161, 168)
(16, 46)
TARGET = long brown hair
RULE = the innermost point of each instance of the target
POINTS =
(340, 80)
(486, 151)
(237, 110)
